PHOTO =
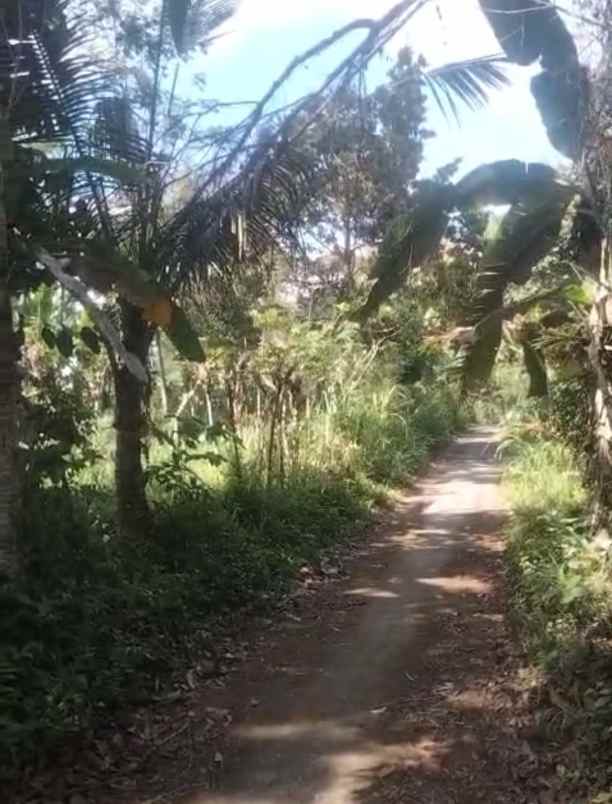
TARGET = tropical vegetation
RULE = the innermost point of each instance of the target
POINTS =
(222, 345)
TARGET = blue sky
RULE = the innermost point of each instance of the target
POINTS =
(265, 35)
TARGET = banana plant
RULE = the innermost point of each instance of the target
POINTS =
(527, 32)
(538, 201)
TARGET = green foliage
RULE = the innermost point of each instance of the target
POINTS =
(97, 621)
(559, 591)
(571, 413)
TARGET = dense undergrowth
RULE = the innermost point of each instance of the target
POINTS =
(98, 622)
(560, 583)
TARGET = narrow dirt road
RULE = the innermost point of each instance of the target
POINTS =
(380, 691)
(384, 688)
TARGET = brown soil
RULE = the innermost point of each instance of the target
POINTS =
(383, 679)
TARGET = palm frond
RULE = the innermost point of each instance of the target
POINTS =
(48, 82)
(238, 223)
(465, 82)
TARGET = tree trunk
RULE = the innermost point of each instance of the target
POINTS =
(9, 389)
(536, 370)
(133, 513)
(163, 381)
(599, 355)
(9, 385)
(481, 355)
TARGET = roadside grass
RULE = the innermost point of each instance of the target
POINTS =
(560, 600)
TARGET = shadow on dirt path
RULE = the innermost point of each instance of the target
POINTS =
(385, 688)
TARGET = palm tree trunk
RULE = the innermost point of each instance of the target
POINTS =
(133, 513)
(9, 388)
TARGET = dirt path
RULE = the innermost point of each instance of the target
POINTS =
(384, 688)
(384, 685)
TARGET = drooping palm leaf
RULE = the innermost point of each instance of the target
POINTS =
(115, 133)
(238, 223)
(48, 82)
(192, 22)
(465, 82)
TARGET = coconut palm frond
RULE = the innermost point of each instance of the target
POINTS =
(237, 224)
(48, 82)
(465, 82)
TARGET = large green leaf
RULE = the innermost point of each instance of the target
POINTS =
(505, 182)
(528, 31)
(90, 339)
(183, 336)
(64, 342)
(412, 239)
(526, 234)
(48, 337)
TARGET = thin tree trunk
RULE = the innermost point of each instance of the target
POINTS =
(163, 382)
(348, 254)
(601, 337)
(536, 369)
(9, 389)
(133, 513)
(209, 407)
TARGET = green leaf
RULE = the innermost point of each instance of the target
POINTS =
(177, 12)
(90, 339)
(48, 337)
(581, 295)
(183, 337)
(65, 342)
(506, 182)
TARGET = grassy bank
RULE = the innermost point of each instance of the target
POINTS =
(560, 593)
